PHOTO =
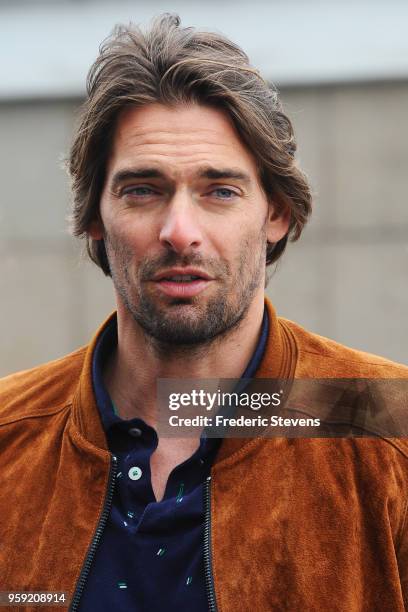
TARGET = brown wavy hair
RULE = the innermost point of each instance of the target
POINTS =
(171, 64)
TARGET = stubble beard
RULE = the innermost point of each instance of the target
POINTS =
(192, 323)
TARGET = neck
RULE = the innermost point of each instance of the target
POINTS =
(138, 362)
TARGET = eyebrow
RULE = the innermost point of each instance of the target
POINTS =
(207, 172)
(224, 173)
(125, 175)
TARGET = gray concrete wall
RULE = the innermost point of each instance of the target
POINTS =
(347, 278)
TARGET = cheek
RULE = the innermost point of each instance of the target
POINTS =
(126, 237)
(119, 249)
(238, 243)
(252, 249)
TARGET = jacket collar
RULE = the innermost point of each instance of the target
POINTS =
(278, 361)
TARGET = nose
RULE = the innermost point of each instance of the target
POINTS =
(180, 230)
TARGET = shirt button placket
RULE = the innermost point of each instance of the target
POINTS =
(135, 432)
(135, 473)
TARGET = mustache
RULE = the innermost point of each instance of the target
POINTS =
(149, 267)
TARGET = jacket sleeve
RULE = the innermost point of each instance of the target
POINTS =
(402, 557)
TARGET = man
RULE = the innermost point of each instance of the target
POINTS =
(185, 187)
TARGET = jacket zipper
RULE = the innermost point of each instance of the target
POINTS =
(209, 579)
(97, 536)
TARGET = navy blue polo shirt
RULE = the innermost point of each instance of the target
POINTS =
(151, 555)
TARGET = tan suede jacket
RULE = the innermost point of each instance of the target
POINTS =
(292, 524)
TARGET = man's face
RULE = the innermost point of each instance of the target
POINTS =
(185, 222)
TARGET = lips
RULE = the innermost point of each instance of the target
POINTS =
(182, 282)
(181, 273)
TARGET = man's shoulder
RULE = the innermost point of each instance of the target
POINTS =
(41, 390)
(322, 357)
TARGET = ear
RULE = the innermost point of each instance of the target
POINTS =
(278, 221)
(95, 229)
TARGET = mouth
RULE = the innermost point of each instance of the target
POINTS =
(185, 282)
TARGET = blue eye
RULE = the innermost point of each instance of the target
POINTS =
(224, 193)
(141, 191)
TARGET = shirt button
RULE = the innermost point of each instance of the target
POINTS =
(135, 473)
(135, 432)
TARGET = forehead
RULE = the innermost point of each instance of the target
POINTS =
(178, 136)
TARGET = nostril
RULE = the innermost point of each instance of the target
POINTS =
(180, 239)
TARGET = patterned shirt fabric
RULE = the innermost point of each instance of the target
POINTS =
(151, 555)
